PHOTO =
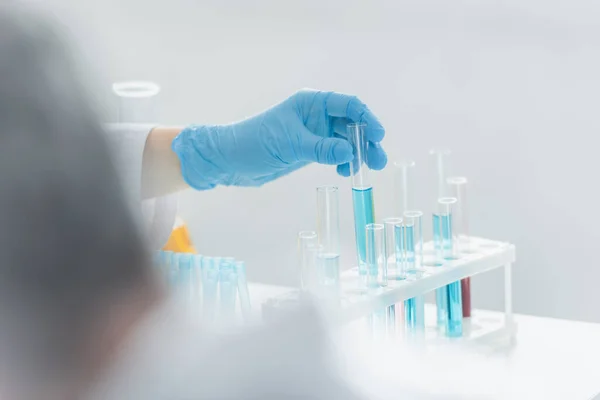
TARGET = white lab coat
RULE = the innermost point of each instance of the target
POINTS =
(158, 214)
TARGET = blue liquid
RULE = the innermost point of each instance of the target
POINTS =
(455, 315)
(448, 298)
(391, 320)
(364, 214)
(414, 313)
(441, 302)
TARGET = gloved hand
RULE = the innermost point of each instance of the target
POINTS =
(310, 126)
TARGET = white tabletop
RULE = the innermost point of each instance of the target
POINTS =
(551, 359)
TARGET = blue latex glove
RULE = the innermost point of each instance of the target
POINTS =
(310, 126)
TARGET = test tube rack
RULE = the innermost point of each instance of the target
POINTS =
(484, 255)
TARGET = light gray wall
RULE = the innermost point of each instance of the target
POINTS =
(511, 86)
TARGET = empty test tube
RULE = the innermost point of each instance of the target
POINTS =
(242, 285)
(377, 273)
(458, 188)
(328, 232)
(362, 193)
(308, 273)
(394, 249)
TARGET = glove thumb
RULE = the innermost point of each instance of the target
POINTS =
(329, 151)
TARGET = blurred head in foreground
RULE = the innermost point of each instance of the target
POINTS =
(70, 254)
(74, 278)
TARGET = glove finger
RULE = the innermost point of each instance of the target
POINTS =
(376, 156)
(344, 170)
(343, 105)
(339, 126)
(330, 151)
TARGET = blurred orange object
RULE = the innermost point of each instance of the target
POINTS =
(180, 241)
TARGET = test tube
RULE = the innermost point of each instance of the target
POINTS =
(394, 249)
(458, 186)
(414, 308)
(413, 240)
(448, 242)
(440, 160)
(362, 193)
(306, 241)
(377, 273)
(328, 232)
(210, 279)
(403, 186)
(197, 277)
(243, 293)
(227, 288)
(137, 101)
(448, 298)
(186, 283)
(173, 272)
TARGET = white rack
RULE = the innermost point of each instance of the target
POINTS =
(485, 255)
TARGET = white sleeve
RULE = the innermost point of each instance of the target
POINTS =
(127, 142)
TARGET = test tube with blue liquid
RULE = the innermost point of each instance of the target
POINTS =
(173, 271)
(242, 284)
(210, 280)
(458, 185)
(442, 228)
(449, 297)
(362, 194)
(328, 233)
(186, 284)
(197, 278)
(414, 308)
(227, 288)
(410, 235)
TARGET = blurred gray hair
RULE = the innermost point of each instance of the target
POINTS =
(68, 245)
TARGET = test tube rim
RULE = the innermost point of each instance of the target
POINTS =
(356, 124)
(413, 214)
(457, 180)
(404, 163)
(327, 188)
(392, 220)
(447, 200)
(374, 227)
(136, 89)
(443, 151)
(307, 234)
